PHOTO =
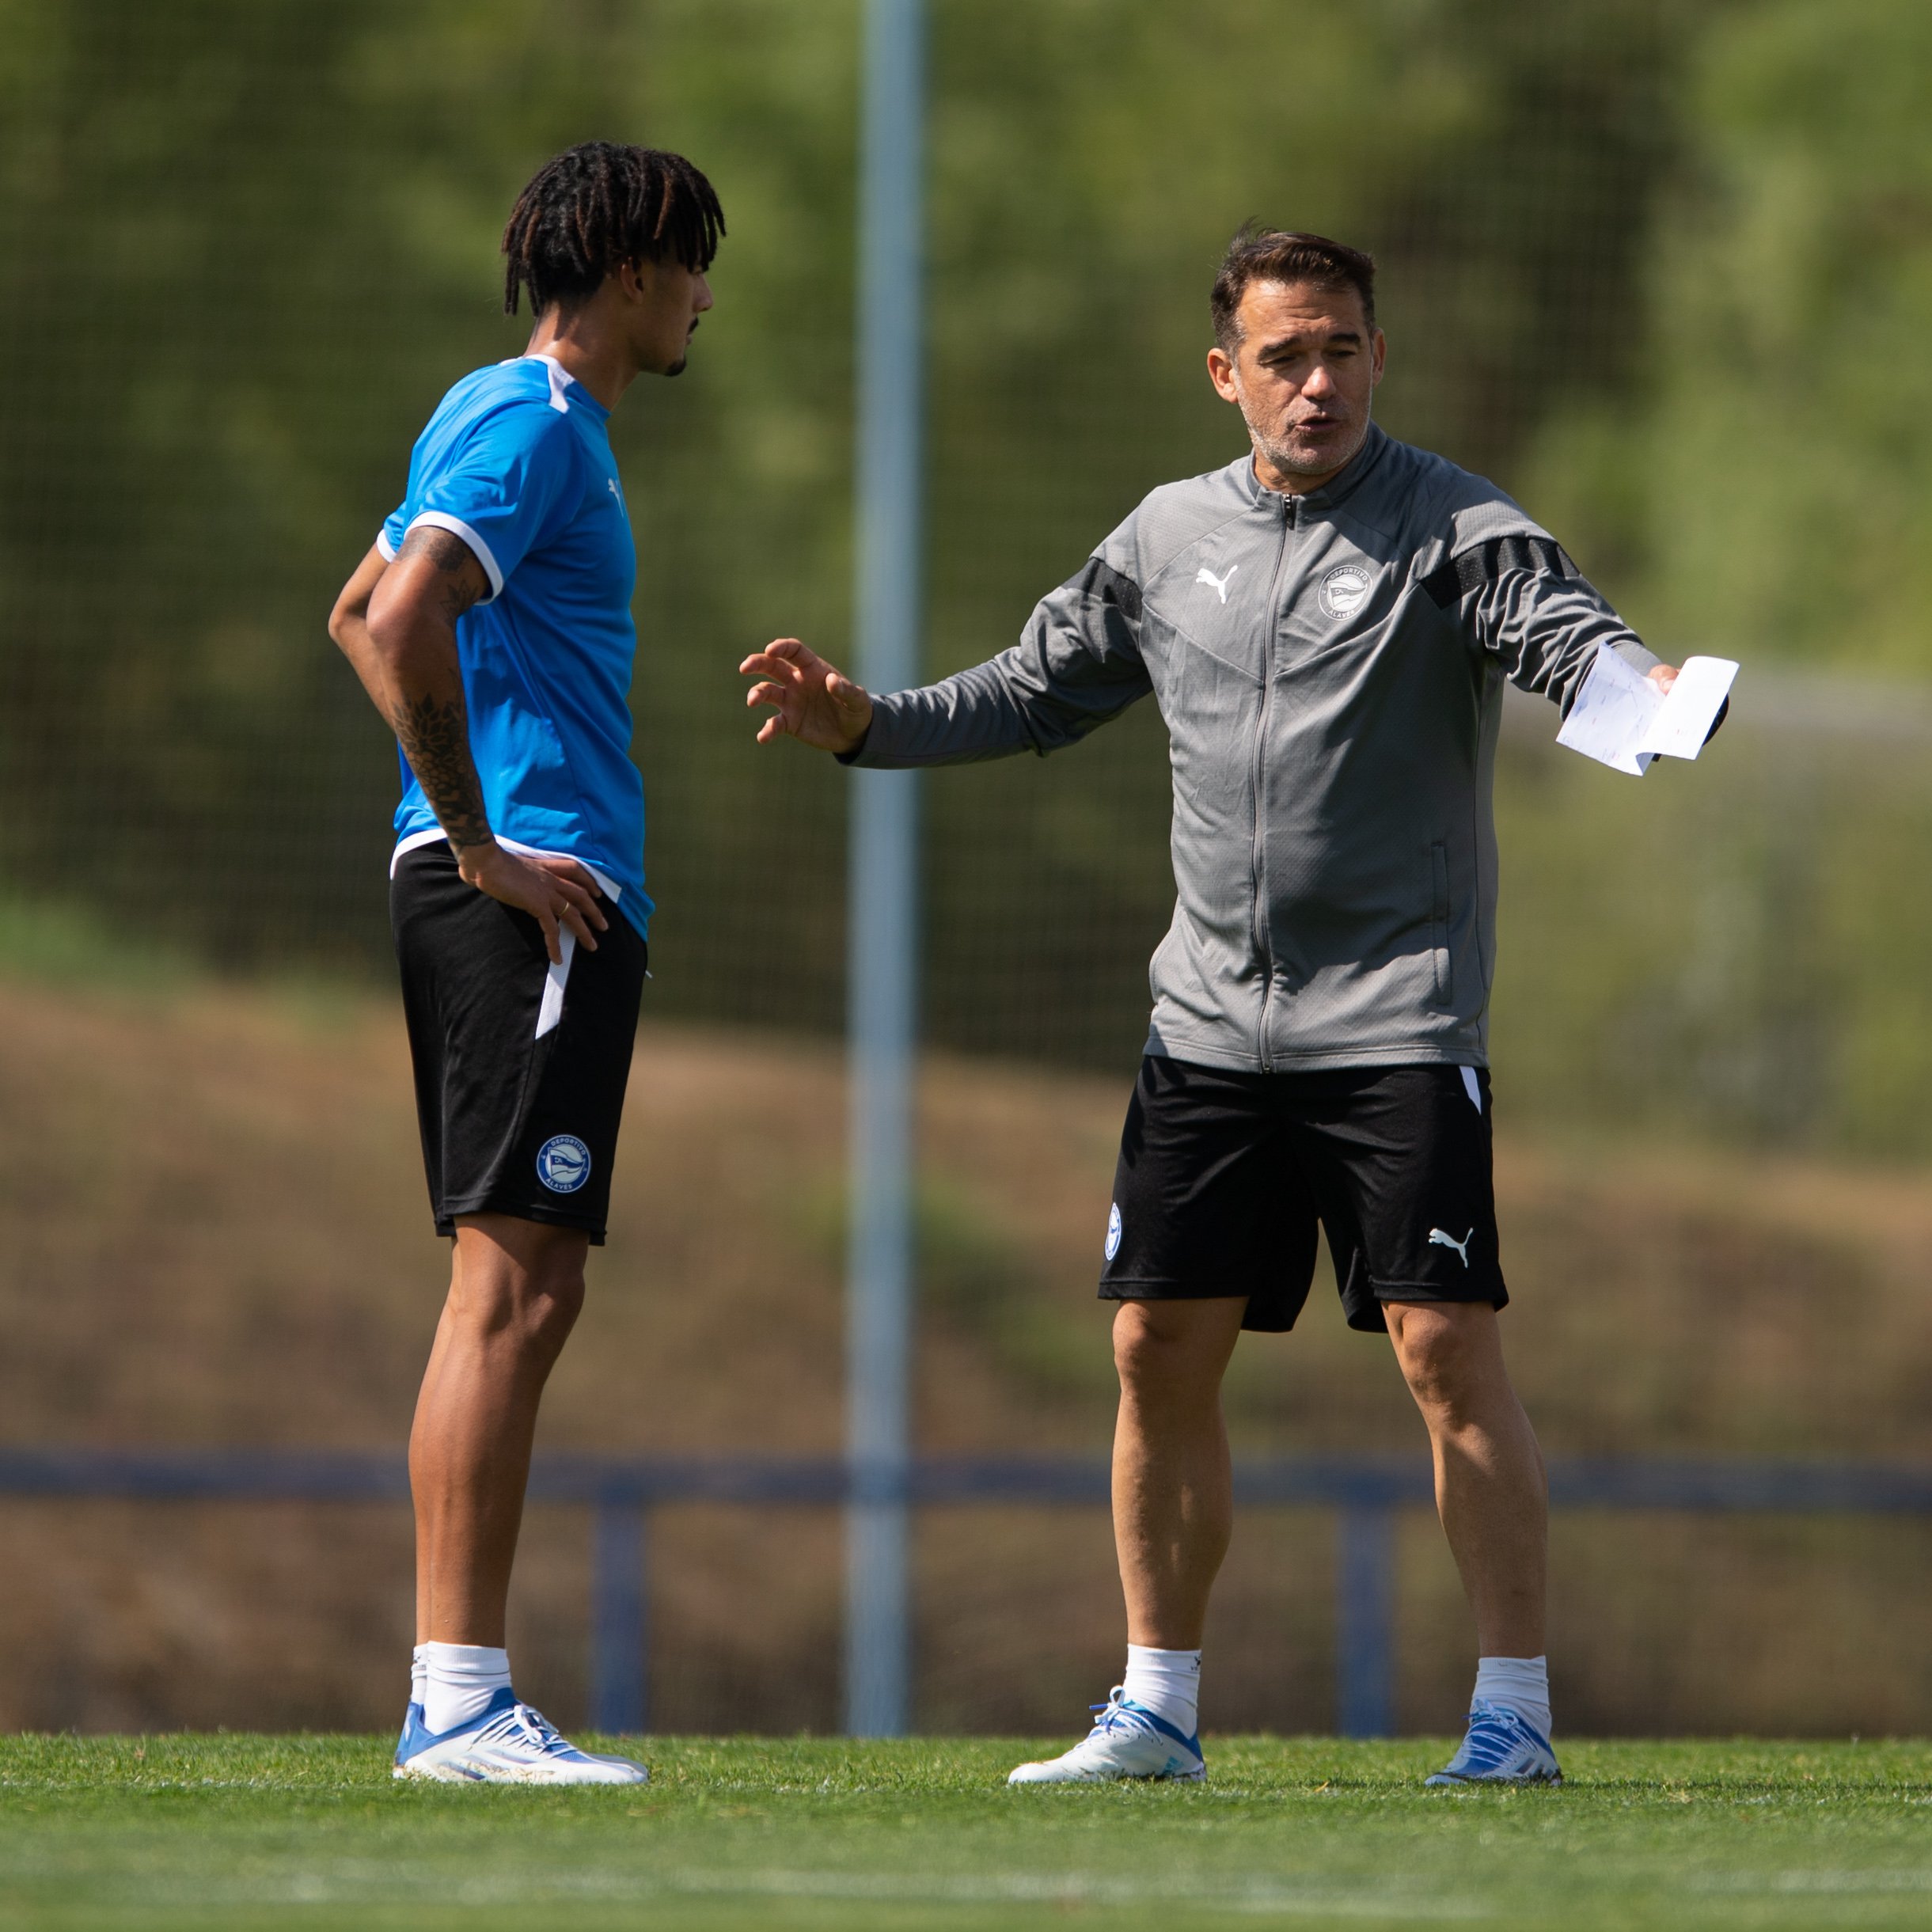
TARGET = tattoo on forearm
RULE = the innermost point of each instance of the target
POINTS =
(433, 731)
(435, 735)
(451, 554)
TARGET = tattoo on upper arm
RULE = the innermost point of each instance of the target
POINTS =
(435, 735)
(451, 555)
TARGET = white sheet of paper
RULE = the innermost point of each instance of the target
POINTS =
(1620, 719)
(1611, 713)
(1681, 727)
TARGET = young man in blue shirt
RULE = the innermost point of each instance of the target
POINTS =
(491, 625)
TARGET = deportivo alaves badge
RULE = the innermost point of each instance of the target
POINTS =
(562, 1163)
(1343, 590)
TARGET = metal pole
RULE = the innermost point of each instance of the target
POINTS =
(882, 1015)
(1366, 1621)
(619, 1681)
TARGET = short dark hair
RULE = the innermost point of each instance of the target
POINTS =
(1259, 254)
(598, 206)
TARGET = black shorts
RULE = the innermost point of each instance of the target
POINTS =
(1223, 1176)
(520, 1067)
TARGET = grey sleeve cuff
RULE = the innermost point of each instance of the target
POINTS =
(1077, 664)
(1558, 665)
(1632, 649)
(970, 716)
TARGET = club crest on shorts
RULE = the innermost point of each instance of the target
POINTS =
(562, 1163)
(1344, 590)
(1112, 1231)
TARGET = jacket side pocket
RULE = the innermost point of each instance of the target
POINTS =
(1439, 922)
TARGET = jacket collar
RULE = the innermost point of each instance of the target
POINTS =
(1338, 488)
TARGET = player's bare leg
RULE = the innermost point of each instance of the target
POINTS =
(1494, 1498)
(1173, 1487)
(516, 1288)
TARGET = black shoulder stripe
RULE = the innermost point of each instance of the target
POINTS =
(1501, 556)
(1101, 582)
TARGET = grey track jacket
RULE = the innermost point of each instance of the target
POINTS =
(1329, 668)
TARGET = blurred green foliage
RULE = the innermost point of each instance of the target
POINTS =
(1661, 266)
(1765, 486)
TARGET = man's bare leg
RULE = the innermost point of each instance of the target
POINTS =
(1173, 1514)
(1490, 1488)
(1173, 1489)
(1493, 1497)
(516, 1288)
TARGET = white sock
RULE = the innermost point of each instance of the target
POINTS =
(419, 1673)
(459, 1680)
(1517, 1684)
(1166, 1682)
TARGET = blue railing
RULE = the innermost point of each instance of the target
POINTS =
(620, 1492)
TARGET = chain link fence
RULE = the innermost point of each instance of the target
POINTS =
(1661, 267)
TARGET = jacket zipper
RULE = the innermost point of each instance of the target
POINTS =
(1262, 944)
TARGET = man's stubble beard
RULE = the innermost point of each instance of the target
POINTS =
(1280, 455)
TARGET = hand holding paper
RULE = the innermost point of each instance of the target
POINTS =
(1622, 719)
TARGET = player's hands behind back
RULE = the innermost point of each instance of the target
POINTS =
(810, 700)
(558, 893)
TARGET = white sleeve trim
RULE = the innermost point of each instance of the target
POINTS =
(385, 548)
(441, 520)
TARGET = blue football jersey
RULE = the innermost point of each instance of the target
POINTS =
(517, 462)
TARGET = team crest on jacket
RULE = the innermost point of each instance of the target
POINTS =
(1343, 590)
(562, 1163)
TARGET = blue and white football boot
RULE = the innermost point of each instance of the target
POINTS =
(509, 1743)
(1127, 1740)
(1500, 1749)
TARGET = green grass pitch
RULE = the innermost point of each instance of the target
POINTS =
(228, 1831)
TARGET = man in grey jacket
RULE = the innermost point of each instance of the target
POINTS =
(1326, 625)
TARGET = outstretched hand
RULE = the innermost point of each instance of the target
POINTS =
(810, 700)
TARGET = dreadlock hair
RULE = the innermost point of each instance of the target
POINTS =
(598, 206)
(1259, 254)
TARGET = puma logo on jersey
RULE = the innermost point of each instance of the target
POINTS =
(1204, 575)
(1438, 1239)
